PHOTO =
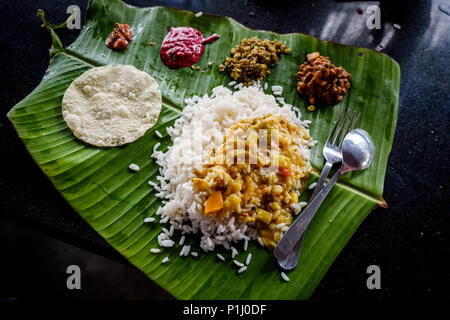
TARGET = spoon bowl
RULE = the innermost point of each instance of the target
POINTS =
(357, 150)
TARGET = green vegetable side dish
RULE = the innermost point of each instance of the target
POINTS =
(99, 186)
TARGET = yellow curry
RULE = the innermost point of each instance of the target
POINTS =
(256, 175)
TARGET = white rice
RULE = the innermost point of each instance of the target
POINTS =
(158, 134)
(281, 100)
(277, 90)
(194, 254)
(195, 134)
(198, 14)
(312, 185)
(242, 269)
(167, 243)
(155, 250)
(182, 240)
(154, 186)
(166, 259)
(280, 225)
(245, 244)
(234, 252)
(221, 228)
(133, 167)
(260, 242)
(162, 237)
(147, 220)
(303, 204)
(185, 250)
(239, 264)
(285, 277)
(249, 257)
(220, 257)
(297, 207)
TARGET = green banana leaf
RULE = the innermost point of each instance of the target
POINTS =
(114, 201)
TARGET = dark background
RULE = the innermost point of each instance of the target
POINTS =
(409, 240)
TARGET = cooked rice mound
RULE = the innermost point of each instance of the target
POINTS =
(248, 196)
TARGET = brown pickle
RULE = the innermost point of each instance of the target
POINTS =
(322, 82)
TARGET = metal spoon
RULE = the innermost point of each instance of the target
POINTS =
(332, 152)
(357, 152)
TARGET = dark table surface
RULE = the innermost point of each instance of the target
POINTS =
(409, 240)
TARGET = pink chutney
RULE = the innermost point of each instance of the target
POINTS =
(183, 46)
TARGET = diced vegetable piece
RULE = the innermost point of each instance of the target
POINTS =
(275, 205)
(294, 197)
(232, 202)
(214, 202)
(263, 216)
(284, 162)
(269, 243)
(285, 171)
(266, 237)
(199, 184)
(284, 139)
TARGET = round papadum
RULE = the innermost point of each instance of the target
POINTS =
(111, 105)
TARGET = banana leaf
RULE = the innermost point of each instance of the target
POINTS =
(96, 182)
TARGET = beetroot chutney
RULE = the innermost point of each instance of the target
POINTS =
(183, 46)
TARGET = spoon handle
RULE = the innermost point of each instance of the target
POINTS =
(296, 230)
(323, 177)
(292, 259)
